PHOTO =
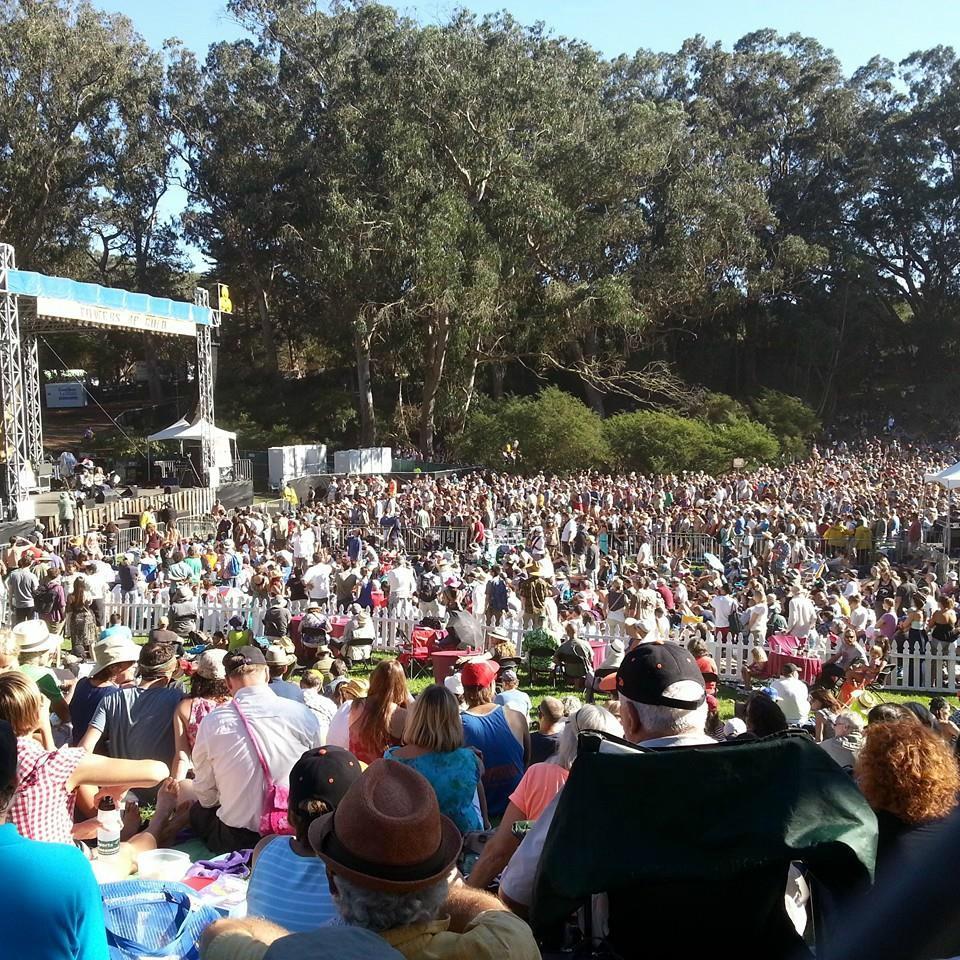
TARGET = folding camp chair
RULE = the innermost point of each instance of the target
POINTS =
(415, 653)
(647, 828)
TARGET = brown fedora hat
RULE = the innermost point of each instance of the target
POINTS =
(388, 832)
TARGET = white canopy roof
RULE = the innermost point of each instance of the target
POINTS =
(182, 430)
(948, 478)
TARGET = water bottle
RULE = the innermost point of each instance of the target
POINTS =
(108, 831)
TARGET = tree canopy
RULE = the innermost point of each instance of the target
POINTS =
(418, 220)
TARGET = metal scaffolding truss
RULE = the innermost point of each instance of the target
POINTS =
(33, 422)
(16, 453)
(205, 384)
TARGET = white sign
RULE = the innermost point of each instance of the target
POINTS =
(109, 317)
(65, 395)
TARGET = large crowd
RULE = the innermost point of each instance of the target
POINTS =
(373, 820)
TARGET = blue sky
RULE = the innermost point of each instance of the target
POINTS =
(854, 29)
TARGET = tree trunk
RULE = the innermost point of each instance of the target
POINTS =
(271, 359)
(368, 422)
(469, 387)
(588, 352)
(498, 370)
(437, 338)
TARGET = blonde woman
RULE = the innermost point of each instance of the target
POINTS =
(433, 745)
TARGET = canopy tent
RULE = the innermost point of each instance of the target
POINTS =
(182, 430)
(948, 478)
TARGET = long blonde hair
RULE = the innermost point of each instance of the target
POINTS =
(434, 723)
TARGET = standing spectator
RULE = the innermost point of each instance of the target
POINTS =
(230, 784)
(22, 584)
(66, 510)
(80, 623)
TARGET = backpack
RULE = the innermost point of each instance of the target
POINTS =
(45, 600)
(429, 587)
(234, 565)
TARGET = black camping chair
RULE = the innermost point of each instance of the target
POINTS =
(662, 844)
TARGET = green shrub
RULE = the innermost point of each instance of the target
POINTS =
(793, 422)
(556, 432)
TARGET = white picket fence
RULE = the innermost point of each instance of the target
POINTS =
(927, 672)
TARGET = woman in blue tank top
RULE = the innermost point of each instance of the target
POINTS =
(288, 885)
(500, 734)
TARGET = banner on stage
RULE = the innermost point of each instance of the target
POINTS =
(112, 317)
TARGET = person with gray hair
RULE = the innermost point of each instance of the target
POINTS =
(844, 746)
(391, 859)
(663, 704)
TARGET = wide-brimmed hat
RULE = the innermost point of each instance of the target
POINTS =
(276, 656)
(496, 635)
(388, 832)
(111, 650)
(363, 627)
(34, 636)
(210, 665)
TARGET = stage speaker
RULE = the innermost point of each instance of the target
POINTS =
(171, 488)
(132, 491)
(106, 495)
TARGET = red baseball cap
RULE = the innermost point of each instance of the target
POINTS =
(479, 673)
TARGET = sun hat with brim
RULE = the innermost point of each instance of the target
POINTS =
(388, 833)
(113, 650)
(278, 657)
(34, 636)
(210, 665)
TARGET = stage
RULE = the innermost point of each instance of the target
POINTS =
(125, 511)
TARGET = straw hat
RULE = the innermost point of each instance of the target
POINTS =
(34, 637)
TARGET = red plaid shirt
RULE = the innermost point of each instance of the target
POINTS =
(43, 807)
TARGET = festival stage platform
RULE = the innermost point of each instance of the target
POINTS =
(125, 511)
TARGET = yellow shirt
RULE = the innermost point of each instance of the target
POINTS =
(290, 495)
(492, 935)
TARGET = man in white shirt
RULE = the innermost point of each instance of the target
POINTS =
(802, 617)
(231, 782)
(403, 584)
(723, 605)
(793, 693)
(316, 579)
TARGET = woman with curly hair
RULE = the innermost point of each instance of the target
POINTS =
(909, 776)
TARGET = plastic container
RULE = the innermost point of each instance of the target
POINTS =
(108, 829)
(169, 865)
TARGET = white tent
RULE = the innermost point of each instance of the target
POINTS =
(182, 430)
(948, 478)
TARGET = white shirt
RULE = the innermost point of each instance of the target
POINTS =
(317, 581)
(227, 769)
(760, 625)
(339, 733)
(722, 607)
(802, 618)
(402, 582)
(794, 698)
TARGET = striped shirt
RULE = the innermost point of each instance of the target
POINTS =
(288, 889)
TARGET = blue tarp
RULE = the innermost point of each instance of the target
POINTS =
(28, 284)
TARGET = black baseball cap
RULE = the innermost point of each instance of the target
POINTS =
(648, 669)
(248, 656)
(324, 773)
(8, 756)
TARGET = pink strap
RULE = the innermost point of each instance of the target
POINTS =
(256, 745)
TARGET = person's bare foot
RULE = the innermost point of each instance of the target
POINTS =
(163, 824)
